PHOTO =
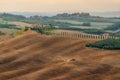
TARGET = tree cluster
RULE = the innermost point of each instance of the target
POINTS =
(111, 44)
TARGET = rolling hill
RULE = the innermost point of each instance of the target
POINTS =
(32, 56)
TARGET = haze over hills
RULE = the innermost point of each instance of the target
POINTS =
(101, 14)
(28, 14)
(107, 14)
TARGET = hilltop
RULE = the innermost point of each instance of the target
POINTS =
(32, 56)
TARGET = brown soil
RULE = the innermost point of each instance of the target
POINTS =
(36, 57)
(5, 38)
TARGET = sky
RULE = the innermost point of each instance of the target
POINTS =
(59, 5)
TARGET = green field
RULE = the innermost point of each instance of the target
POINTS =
(101, 25)
(69, 21)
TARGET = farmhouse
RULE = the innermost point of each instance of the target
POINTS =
(39, 27)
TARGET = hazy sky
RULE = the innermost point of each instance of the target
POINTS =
(59, 5)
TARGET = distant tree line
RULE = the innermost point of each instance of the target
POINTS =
(73, 14)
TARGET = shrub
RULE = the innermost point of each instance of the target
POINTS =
(1, 33)
(17, 33)
(86, 24)
(43, 30)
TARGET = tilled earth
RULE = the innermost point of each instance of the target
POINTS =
(38, 57)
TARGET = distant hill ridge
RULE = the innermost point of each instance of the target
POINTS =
(102, 14)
